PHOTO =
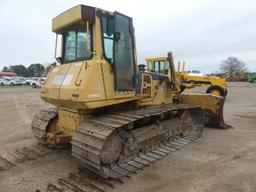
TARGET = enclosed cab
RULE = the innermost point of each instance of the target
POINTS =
(96, 52)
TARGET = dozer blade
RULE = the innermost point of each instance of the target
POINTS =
(212, 104)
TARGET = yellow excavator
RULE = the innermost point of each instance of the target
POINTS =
(215, 85)
(117, 117)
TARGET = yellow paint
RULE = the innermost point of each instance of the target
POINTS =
(78, 88)
(68, 121)
(183, 75)
(209, 102)
(215, 92)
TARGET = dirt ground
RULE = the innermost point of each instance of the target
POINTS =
(220, 161)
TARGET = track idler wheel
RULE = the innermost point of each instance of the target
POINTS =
(111, 149)
(186, 123)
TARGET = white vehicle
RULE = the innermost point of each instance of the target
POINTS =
(1, 82)
(35, 83)
(17, 81)
(5, 82)
(28, 81)
(12, 81)
(23, 80)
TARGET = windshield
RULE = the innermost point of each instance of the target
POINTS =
(77, 44)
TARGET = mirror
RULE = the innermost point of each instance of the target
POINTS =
(117, 36)
(59, 48)
(59, 59)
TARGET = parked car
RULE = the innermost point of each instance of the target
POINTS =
(28, 81)
(1, 82)
(35, 83)
(18, 81)
(5, 82)
(11, 81)
(15, 81)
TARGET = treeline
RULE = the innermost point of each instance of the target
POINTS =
(34, 70)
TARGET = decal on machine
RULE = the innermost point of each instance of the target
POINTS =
(68, 79)
(78, 64)
(58, 79)
(62, 79)
(56, 69)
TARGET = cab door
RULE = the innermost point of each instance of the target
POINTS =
(124, 48)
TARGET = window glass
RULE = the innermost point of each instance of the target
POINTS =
(77, 44)
(161, 66)
(167, 65)
(108, 46)
(70, 46)
(150, 67)
(83, 44)
(156, 66)
(108, 36)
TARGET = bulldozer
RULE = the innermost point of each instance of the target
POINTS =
(215, 85)
(115, 115)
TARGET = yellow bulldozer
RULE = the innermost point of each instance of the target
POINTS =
(116, 117)
(215, 85)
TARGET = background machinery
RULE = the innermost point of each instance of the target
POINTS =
(216, 85)
(252, 77)
(236, 76)
(116, 117)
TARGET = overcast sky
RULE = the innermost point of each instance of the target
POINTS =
(200, 32)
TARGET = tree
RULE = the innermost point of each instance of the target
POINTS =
(232, 64)
(36, 70)
(20, 70)
(6, 69)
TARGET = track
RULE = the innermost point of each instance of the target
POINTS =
(113, 145)
(156, 132)
(86, 181)
(10, 157)
(41, 122)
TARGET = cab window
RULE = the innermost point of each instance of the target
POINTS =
(157, 66)
(150, 66)
(161, 66)
(77, 44)
(107, 22)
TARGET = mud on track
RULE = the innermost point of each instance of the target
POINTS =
(222, 160)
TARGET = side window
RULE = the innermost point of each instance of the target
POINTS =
(156, 66)
(162, 63)
(168, 65)
(150, 66)
(108, 36)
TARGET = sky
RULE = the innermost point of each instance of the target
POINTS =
(201, 33)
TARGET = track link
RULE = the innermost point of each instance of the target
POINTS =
(11, 156)
(41, 122)
(85, 180)
(90, 139)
